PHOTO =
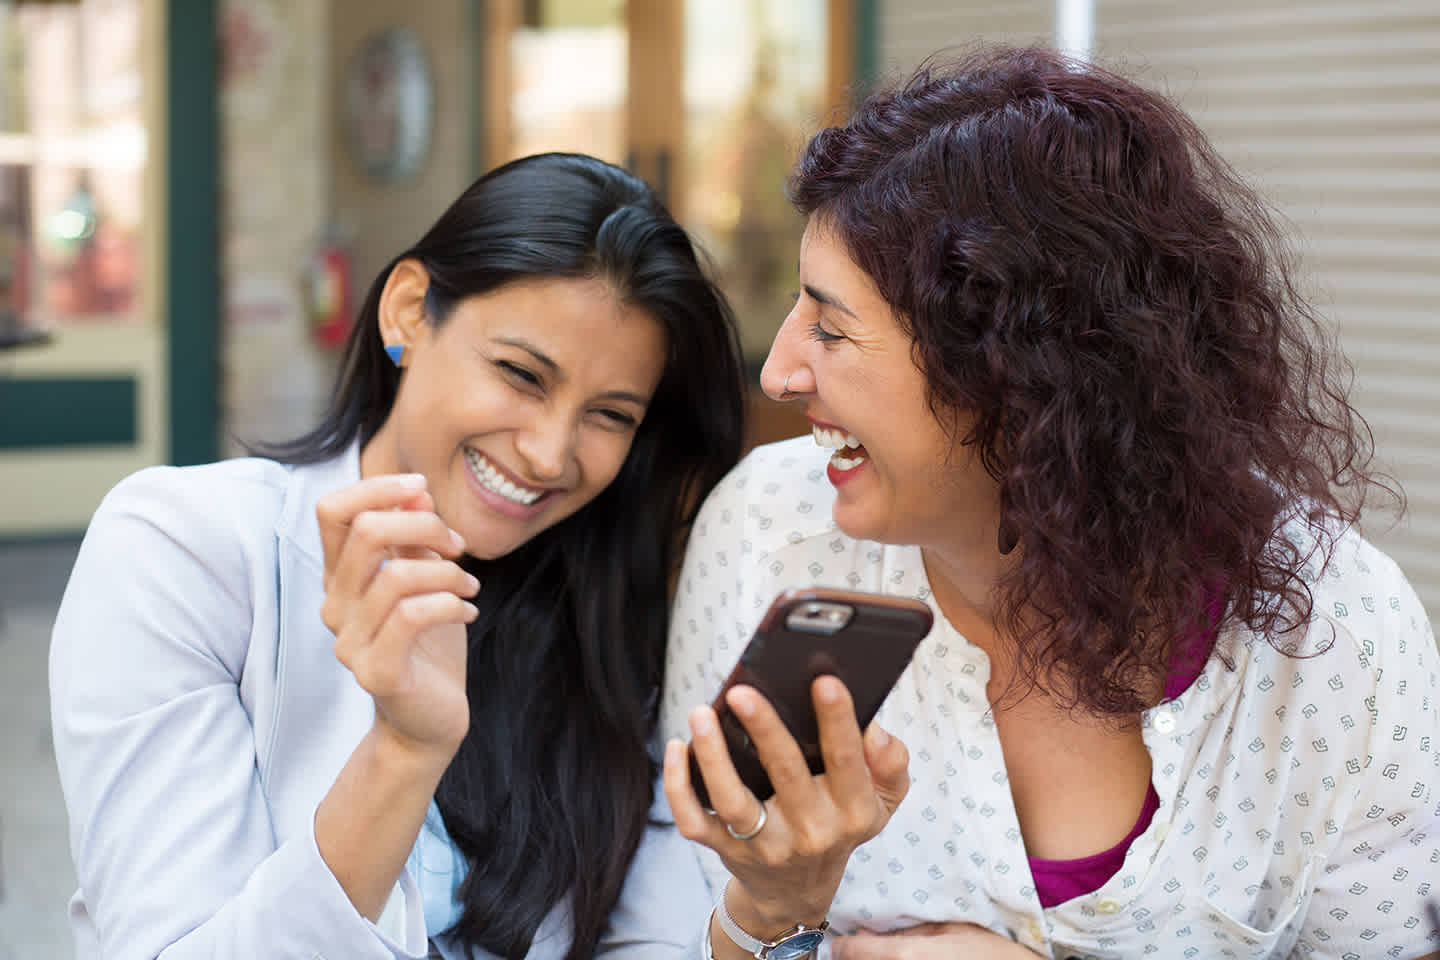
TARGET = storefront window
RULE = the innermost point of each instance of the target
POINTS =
(72, 158)
(755, 87)
(569, 60)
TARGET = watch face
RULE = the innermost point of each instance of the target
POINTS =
(800, 945)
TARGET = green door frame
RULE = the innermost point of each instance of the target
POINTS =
(867, 44)
(192, 228)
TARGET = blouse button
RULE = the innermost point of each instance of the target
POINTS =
(1165, 722)
(1108, 906)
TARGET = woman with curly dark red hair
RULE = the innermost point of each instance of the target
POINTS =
(1173, 703)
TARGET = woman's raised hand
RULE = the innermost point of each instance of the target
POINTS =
(789, 871)
(398, 604)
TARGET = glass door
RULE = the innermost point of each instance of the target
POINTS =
(82, 345)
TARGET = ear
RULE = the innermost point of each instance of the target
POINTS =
(402, 305)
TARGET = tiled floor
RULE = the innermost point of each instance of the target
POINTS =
(36, 878)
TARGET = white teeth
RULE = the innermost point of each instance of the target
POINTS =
(833, 439)
(496, 482)
(845, 463)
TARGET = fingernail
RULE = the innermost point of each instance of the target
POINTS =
(701, 724)
(474, 584)
(411, 481)
(878, 736)
(827, 689)
(458, 540)
(471, 612)
(742, 702)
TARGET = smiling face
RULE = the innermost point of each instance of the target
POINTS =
(520, 407)
(898, 477)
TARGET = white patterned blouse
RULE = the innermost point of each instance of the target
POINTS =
(1298, 804)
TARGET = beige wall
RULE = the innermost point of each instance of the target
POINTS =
(287, 181)
(381, 219)
(274, 183)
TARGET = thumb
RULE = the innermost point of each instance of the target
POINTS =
(889, 763)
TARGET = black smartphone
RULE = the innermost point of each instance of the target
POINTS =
(865, 639)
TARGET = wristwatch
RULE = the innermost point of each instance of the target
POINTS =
(799, 941)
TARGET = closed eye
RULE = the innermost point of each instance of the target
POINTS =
(819, 333)
(618, 417)
(519, 373)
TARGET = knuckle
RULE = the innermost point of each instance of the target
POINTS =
(689, 828)
(859, 821)
(808, 843)
(410, 611)
(330, 616)
(734, 811)
(391, 575)
(326, 508)
(366, 528)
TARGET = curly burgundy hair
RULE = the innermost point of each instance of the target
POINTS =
(1108, 314)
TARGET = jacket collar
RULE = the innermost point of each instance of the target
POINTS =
(297, 525)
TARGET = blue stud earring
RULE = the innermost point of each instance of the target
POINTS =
(395, 351)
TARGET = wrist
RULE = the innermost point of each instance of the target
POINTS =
(765, 920)
(405, 757)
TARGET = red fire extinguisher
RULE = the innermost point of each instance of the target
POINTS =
(328, 293)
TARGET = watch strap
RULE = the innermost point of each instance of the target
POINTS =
(763, 948)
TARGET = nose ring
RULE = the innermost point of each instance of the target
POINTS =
(786, 387)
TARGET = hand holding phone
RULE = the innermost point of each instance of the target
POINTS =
(864, 639)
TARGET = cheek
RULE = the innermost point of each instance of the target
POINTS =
(601, 455)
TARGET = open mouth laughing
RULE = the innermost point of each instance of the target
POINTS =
(848, 453)
(498, 483)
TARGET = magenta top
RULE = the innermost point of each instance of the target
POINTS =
(1059, 880)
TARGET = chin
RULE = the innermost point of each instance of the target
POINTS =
(857, 526)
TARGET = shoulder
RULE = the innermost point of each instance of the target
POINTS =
(1361, 683)
(199, 507)
(1365, 604)
(250, 479)
(202, 529)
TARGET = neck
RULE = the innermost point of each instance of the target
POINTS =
(963, 580)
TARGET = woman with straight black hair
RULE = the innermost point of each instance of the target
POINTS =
(391, 688)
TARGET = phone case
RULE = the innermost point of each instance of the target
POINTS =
(864, 639)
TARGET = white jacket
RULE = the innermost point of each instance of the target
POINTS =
(200, 716)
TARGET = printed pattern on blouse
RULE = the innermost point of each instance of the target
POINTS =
(1298, 817)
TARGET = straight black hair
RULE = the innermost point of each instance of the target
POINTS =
(549, 794)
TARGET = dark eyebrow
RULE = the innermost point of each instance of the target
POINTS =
(829, 300)
(542, 358)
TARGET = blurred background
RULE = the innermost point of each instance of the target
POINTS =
(194, 194)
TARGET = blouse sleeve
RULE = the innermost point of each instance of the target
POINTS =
(1369, 899)
(664, 899)
(169, 827)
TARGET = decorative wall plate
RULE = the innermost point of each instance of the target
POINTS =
(389, 104)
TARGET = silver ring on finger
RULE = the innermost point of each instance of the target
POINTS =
(747, 834)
